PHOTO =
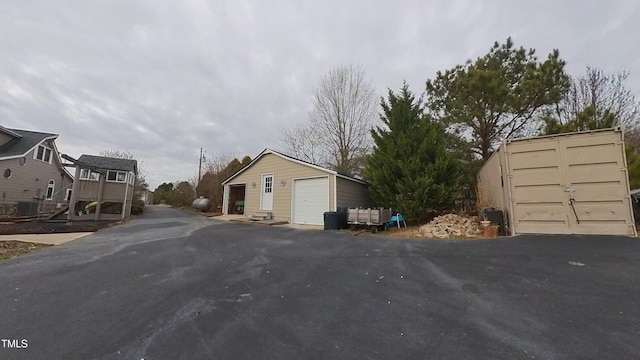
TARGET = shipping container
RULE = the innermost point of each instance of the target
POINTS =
(574, 183)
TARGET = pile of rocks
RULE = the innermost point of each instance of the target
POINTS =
(451, 225)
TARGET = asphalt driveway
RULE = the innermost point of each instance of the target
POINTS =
(171, 285)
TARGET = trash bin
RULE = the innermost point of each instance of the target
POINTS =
(331, 220)
(343, 213)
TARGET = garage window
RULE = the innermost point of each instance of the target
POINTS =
(268, 184)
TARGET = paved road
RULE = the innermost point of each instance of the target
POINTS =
(171, 285)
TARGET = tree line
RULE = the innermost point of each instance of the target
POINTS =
(216, 170)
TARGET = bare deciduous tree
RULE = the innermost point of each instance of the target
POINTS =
(604, 94)
(337, 133)
(303, 142)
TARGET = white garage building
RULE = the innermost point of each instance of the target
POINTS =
(290, 189)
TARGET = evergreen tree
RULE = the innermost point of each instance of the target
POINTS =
(411, 168)
(498, 95)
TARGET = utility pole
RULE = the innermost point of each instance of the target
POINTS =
(199, 168)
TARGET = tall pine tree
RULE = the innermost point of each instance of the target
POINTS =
(411, 168)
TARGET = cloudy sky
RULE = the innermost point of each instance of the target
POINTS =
(163, 78)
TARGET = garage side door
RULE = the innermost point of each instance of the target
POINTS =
(310, 200)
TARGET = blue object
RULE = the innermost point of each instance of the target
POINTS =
(396, 220)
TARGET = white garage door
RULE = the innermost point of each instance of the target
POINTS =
(310, 200)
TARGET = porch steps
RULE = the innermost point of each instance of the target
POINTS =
(261, 216)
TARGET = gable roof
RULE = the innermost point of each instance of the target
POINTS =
(292, 159)
(109, 163)
(22, 143)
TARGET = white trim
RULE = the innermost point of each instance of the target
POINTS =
(119, 172)
(88, 177)
(67, 195)
(44, 153)
(226, 193)
(225, 200)
(285, 157)
(335, 194)
(50, 185)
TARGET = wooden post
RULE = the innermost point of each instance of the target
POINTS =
(103, 177)
(74, 192)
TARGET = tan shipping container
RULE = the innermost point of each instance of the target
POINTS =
(575, 183)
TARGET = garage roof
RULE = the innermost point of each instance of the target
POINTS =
(298, 161)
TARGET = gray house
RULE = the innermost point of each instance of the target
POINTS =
(33, 177)
(104, 188)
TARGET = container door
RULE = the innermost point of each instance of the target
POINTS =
(570, 184)
(537, 187)
(597, 189)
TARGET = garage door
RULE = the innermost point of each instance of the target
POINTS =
(310, 200)
(570, 185)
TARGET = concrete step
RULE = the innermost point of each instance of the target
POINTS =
(261, 216)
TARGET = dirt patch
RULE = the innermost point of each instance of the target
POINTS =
(11, 248)
(413, 232)
(403, 232)
(49, 227)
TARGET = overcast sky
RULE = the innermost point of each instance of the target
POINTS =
(163, 78)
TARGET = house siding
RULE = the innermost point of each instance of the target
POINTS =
(352, 194)
(30, 180)
(281, 169)
(88, 191)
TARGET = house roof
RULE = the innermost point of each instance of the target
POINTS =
(9, 132)
(290, 158)
(23, 141)
(109, 163)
